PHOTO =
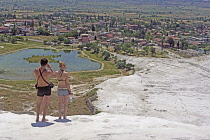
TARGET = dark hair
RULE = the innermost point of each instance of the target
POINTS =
(43, 61)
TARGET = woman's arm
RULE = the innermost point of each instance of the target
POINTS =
(68, 84)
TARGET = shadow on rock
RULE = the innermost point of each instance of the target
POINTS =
(41, 124)
(62, 120)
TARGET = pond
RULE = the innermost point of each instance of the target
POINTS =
(14, 67)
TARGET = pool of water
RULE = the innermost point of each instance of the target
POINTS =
(14, 67)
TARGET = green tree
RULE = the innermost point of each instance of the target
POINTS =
(107, 46)
(81, 47)
(152, 50)
(72, 34)
(162, 42)
(60, 37)
(88, 46)
(1, 38)
(55, 40)
(146, 49)
(124, 47)
(133, 41)
(25, 23)
(206, 49)
(59, 42)
(96, 49)
(41, 31)
(67, 41)
(14, 31)
(149, 37)
(143, 53)
(14, 16)
(106, 55)
(19, 38)
(32, 23)
(129, 51)
(117, 48)
(45, 42)
(40, 23)
(184, 44)
(171, 42)
(128, 45)
(178, 44)
(129, 66)
(13, 40)
(121, 64)
(93, 27)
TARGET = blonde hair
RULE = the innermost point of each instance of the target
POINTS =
(61, 64)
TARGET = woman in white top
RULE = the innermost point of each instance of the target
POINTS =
(63, 89)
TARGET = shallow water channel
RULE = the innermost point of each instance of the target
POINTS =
(14, 67)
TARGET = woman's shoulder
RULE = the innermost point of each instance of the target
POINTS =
(57, 71)
(66, 73)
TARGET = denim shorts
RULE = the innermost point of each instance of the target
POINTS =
(63, 92)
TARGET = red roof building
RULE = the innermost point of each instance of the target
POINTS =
(159, 34)
(4, 29)
(62, 31)
(133, 27)
(196, 43)
(109, 35)
(85, 38)
(157, 40)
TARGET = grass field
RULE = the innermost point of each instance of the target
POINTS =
(9, 47)
(48, 38)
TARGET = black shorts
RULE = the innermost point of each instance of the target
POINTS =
(44, 91)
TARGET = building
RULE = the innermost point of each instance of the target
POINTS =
(72, 39)
(63, 31)
(105, 44)
(20, 21)
(84, 38)
(4, 29)
(133, 27)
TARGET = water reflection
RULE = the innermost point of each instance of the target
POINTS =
(67, 51)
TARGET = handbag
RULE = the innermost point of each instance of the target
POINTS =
(36, 87)
(51, 85)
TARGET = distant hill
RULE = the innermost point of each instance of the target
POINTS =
(149, 6)
(112, 3)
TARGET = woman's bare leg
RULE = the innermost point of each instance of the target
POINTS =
(66, 100)
(60, 105)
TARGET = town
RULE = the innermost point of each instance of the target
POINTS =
(130, 36)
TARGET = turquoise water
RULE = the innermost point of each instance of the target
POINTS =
(14, 67)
